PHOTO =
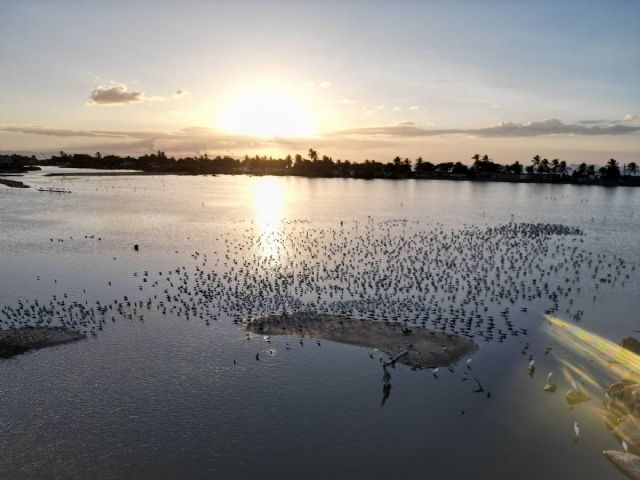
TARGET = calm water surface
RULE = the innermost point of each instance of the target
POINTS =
(162, 398)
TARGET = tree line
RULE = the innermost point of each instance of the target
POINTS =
(315, 165)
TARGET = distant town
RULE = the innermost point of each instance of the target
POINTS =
(479, 167)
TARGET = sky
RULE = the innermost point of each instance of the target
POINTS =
(354, 80)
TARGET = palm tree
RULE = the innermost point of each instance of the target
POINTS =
(313, 155)
(476, 160)
(632, 168)
(582, 169)
(555, 162)
(535, 162)
(611, 168)
(544, 166)
(562, 168)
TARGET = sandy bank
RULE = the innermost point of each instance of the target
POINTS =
(424, 348)
(13, 183)
(15, 342)
(108, 173)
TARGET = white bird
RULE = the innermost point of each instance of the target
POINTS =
(469, 360)
(576, 428)
(625, 446)
(573, 384)
(549, 375)
(532, 363)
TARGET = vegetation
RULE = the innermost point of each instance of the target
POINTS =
(314, 165)
(17, 163)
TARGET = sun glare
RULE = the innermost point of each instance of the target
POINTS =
(267, 114)
(268, 204)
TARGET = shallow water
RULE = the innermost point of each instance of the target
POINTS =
(162, 398)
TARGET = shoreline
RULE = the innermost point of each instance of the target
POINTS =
(123, 174)
(13, 183)
(416, 347)
(632, 182)
(18, 341)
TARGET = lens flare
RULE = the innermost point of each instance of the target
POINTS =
(597, 350)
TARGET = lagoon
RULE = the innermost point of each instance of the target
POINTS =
(167, 396)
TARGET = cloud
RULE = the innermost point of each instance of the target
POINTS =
(186, 141)
(414, 107)
(404, 129)
(114, 94)
(628, 119)
(591, 122)
(58, 132)
(505, 129)
(200, 139)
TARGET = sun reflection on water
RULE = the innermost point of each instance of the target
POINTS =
(268, 207)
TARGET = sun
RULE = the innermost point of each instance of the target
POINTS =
(267, 114)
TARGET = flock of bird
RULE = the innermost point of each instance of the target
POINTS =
(472, 281)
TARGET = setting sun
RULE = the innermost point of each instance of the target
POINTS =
(267, 114)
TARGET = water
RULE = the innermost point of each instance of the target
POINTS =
(162, 398)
